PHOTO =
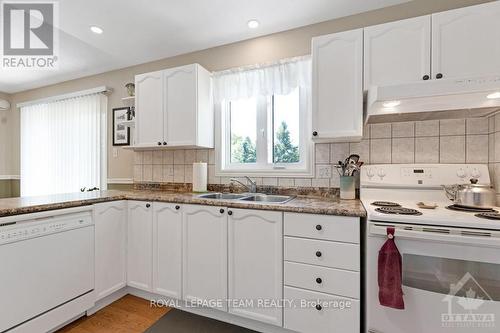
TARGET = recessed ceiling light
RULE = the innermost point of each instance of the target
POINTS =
(494, 95)
(391, 104)
(253, 24)
(96, 30)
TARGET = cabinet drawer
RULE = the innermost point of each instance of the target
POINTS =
(322, 279)
(322, 253)
(327, 227)
(336, 315)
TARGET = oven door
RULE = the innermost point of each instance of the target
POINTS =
(451, 280)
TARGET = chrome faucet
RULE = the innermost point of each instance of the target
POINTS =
(251, 186)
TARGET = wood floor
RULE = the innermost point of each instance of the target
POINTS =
(129, 314)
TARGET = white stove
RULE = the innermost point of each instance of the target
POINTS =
(450, 259)
(408, 185)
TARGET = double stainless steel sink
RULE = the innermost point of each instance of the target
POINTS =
(249, 197)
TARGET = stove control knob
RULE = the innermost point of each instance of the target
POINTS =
(369, 173)
(381, 173)
(475, 173)
(461, 173)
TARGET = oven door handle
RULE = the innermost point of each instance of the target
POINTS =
(486, 238)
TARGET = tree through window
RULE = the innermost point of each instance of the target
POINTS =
(265, 126)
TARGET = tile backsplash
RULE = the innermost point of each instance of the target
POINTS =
(474, 140)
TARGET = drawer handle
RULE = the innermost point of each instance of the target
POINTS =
(148, 205)
(319, 281)
(221, 211)
(318, 254)
(229, 212)
(177, 207)
(319, 307)
(319, 227)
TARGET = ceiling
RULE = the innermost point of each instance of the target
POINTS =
(141, 31)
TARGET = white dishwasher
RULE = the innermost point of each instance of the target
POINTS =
(44, 264)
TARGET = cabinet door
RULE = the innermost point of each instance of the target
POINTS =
(140, 249)
(465, 42)
(110, 247)
(255, 263)
(204, 272)
(167, 247)
(337, 86)
(149, 109)
(397, 52)
(180, 106)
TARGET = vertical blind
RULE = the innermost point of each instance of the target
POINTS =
(63, 145)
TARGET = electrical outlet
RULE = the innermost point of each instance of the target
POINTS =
(323, 171)
(115, 152)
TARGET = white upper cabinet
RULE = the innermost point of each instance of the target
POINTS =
(337, 86)
(466, 41)
(140, 247)
(167, 248)
(174, 108)
(256, 263)
(110, 247)
(149, 106)
(397, 52)
(204, 251)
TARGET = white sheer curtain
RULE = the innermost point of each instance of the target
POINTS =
(63, 145)
(279, 78)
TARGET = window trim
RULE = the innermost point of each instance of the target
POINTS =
(222, 143)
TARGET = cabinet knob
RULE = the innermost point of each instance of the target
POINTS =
(229, 212)
(319, 307)
(319, 227)
(439, 76)
(315, 133)
(159, 143)
(164, 143)
(318, 254)
(426, 77)
(177, 207)
(148, 205)
(221, 211)
(319, 281)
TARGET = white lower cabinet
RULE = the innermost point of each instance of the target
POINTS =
(167, 247)
(204, 252)
(110, 247)
(233, 259)
(140, 247)
(255, 264)
(321, 313)
(322, 273)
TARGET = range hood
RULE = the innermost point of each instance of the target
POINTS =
(435, 99)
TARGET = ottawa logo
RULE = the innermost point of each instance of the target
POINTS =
(464, 305)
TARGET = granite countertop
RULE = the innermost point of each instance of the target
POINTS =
(301, 204)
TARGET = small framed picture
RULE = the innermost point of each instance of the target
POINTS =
(121, 132)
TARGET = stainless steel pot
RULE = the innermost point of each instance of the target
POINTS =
(473, 194)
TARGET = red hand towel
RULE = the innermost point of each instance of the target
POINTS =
(390, 274)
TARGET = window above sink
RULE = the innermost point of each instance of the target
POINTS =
(263, 126)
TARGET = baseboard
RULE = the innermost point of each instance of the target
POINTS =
(102, 303)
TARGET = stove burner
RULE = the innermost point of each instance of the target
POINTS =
(385, 204)
(462, 208)
(489, 216)
(398, 211)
